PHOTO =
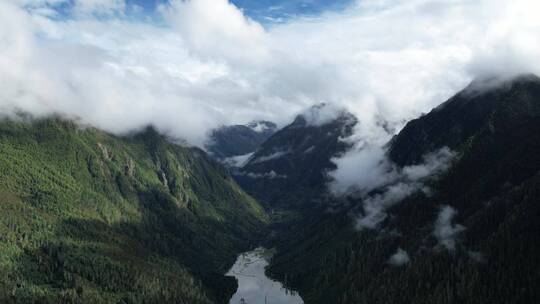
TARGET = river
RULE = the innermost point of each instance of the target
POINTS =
(254, 287)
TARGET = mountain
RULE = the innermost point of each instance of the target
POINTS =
(481, 105)
(230, 141)
(472, 238)
(287, 170)
(89, 217)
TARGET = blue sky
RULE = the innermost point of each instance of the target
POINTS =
(273, 10)
(264, 11)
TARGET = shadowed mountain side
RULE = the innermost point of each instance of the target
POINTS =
(470, 111)
(237, 140)
(472, 238)
(289, 170)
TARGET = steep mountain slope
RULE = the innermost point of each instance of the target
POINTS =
(472, 239)
(88, 217)
(287, 170)
(461, 118)
(238, 140)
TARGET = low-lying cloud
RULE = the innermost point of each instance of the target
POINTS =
(322, 114)
(400, 258)
(444, 230)
(272, 156)
(207, 64)
(267, 175)
(391, 183)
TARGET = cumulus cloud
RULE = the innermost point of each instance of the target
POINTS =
(208, 64)
(444, 230)
(400, 258)
(216, 29)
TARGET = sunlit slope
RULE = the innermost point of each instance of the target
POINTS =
(90, 217)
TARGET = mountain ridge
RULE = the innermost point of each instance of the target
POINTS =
(464, 116)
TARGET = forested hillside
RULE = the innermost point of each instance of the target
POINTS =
(88, 217)
(473, 238)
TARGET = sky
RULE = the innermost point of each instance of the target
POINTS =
(264, 11)
(187, 67)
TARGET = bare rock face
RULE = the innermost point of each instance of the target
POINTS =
(107, 154)
(129, 168)
(164, 180)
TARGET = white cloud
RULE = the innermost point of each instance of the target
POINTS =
(392, 183)
(99, 7)
(361, 170)
(210, 65)
(374, 207)
(237, 161)
(446, 232)
(265, 158)
(269, 175)
(400, 258)
(217, 30)
(322, 114)
(260, 127)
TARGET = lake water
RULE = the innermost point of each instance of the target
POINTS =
(254, 287)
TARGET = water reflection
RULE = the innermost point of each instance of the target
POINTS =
(254, 287)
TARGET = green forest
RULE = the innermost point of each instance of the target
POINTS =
(88, 217)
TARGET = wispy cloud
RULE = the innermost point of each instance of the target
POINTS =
(444, 230)
(392, 183)
(400, 258)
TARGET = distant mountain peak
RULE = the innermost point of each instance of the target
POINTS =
(236, 140)
(321, 114)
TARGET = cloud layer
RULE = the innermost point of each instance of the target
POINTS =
(207, 64)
